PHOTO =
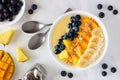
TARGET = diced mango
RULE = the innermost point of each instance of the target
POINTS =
(2, 73)
(21, 57)
(6, 36)
(63, 54)
(1, 53)
(5, 57)
(67, 44)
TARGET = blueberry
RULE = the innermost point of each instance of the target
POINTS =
(101, 15)
(71, 38)
(70, 26)
(76, 29)
(70, 75)
(11, 8)
(79, 23)
(110, 7)
(104, 73)
(72, 31)
(65, 36)
(6, 14)
(34, 6)
(5, 10)
(75, 24)
(62, 47)
(75, 35)
(57, 47)
(72, 19)
(69, 34)
(115, 12)
(57, 51)
(1, 7)
(78, 17)
(30, 11)
(3, 1)
(60, 41)
(15, 12)
(104, 66)
(19, 3)
(113, 69)
(14, 1)
(10, 19)
(1, 19)
(99, 6)
(63, 73)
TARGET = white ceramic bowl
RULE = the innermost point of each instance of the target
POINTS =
(17, 17)
(81, 13)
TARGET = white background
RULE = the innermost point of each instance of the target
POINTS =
(47, 12)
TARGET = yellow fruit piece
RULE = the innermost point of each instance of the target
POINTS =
(63, 55)
(21, 57)
(6, 36)
(6, 69)
(1, 53)
(67, 44)
(75, 59)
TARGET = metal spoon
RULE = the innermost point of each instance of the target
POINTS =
(37, 40)
(35, 26)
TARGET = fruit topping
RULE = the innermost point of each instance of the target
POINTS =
(30, 11)
(70, 75)
(104, 73)
(99, 6)
(34, 6)
(21, 56)
(101, 15)
(6, 36)
(113, 69)
(63, 73)
(110, 7)
(115, 12)
(104, 66)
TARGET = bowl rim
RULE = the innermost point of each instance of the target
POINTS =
(81, 13)
(17, 17)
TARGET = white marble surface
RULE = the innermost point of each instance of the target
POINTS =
(47, 12)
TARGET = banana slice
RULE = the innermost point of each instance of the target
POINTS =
(90, 50)
(97, 31)
(94, 39)
(82, 62)
(92, 45)
(86, 55)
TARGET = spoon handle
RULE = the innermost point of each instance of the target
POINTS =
(47, 31)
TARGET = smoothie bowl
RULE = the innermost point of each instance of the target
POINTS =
(78, 40)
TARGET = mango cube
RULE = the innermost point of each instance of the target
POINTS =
(67, 44)
(21, 57)
(63, 54)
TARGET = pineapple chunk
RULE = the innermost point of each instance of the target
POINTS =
(6, 36)
(63, 54)
(21, 57)
(67, 44)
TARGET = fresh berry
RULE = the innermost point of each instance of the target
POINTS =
(104, 73)
(115, 12)
(1, 7)
(78, 17)
(110, 7)
(75, 24)
(1, 19)
(57, 51)
(75, 35)
(99, 6)
(69, 34)
(62, 47)
(63, 73)
(101, 15)
(76, 29)
(71, 38)
(60, 41)
(79, 23)
(104, 66)
(34, 6)
(72, 19)
(70, 26)
(57, 46)
(113, 69)
(30, 11)
(70, 75)
(65, 36)
(10, 19)
(19, 3)
(72, 31)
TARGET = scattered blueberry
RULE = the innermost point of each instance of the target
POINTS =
(75, 35)
(104, 73)
(115, 12)
(70, 75)
(19, 4)
(69, 34)
(72, 31)
(30, 11)
(113, 69)
(34, 6)
(70, 26)
(62, 47)
(57, 47)
(104, 66)
(57, 51)
(63, 73)
(101, 15)
(75, 24)
(71, 38)
(99, 6)
(65, 36)
(10, 19)
(79, 23)
(72, 19)
(110, 7)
